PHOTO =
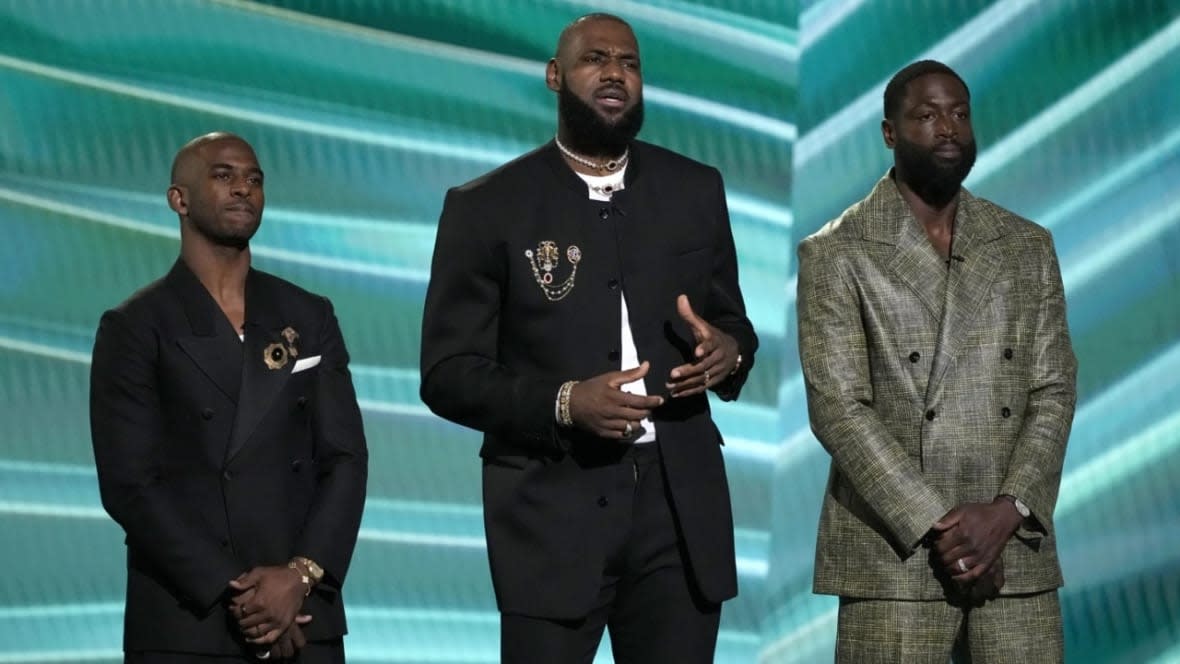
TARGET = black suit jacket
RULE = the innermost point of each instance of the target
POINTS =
(496, 346)
(213, 462)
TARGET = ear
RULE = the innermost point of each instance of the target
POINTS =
(176, 200)
(553, 75)
(887, 133)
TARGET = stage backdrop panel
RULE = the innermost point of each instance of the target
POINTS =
(1076, 109)
(362, 113)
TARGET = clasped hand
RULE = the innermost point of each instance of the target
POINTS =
(266, 605)
(968, 542)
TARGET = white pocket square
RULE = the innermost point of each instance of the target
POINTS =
(305, 364)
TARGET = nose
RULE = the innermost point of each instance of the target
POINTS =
(612, 70)
(945, 127)
(241, 186)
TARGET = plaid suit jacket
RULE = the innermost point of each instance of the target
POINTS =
(931, 386)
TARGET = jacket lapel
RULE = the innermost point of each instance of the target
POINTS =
(969, 281)
(914, 262)
(213, 346)
(266, 364)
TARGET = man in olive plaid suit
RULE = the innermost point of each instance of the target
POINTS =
(941, 379)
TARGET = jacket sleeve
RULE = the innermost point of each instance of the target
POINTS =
(329, 534)
(462, 378)
(128, 431)
(834, 354)
(726, 309)
(1034, 469)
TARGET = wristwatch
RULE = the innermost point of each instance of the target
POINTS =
(1023, 509)
(314, 570)
(303, 578)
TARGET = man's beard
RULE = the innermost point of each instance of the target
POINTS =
(588, 133)
(932, 178)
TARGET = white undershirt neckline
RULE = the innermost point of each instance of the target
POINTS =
(601, 187)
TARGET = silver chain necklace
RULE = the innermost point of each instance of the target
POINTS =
(610, 166)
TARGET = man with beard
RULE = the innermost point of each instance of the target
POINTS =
(227, 439)
(582, 299)
(940, 378)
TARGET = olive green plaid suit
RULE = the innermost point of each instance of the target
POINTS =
(931, 385)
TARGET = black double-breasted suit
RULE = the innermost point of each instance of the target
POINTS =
(216, 455)
(523, 296)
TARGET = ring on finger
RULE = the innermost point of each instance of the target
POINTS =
(627, 431)
(706, 377)
(962, 565)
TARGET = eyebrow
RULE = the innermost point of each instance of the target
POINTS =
(222, 165)
(602, 51)
(932, 102)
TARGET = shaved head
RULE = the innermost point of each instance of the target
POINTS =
(567, 34)
(188, 159)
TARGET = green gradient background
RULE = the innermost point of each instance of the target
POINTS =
(363, 112)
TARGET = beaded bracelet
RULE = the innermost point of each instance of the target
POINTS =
(563, 403)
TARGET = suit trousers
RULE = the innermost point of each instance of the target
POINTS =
(648, 599)
(327, 652)
(1020, 629)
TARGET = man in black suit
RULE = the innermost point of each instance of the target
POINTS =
(582, 299)
(227, 438)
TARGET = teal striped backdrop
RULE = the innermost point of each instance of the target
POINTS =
(1076, 108)
(363, 112)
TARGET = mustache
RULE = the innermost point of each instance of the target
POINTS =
(614, 89)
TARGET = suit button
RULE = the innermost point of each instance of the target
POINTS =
(915, 356)
(930, 416)
(224, 543)
(1007, 353)
(296, 465)
(207, 414)
(613, 284)
(603, 501)
(301, 402)
(603, 213)
(613, 356)
(227, 476)
(1005, 412)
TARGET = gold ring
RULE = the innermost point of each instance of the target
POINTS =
(627, 431)
(706, 377)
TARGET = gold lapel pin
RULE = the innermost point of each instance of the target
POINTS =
(291, 336)
(545, 261)
(275, 356)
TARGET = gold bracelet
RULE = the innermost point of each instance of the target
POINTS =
(303, 577)
(313, 569)
(563, 403)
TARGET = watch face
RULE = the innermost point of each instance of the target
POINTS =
(316, 571)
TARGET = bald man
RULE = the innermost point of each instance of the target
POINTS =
(227, 439)
(582, 299)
